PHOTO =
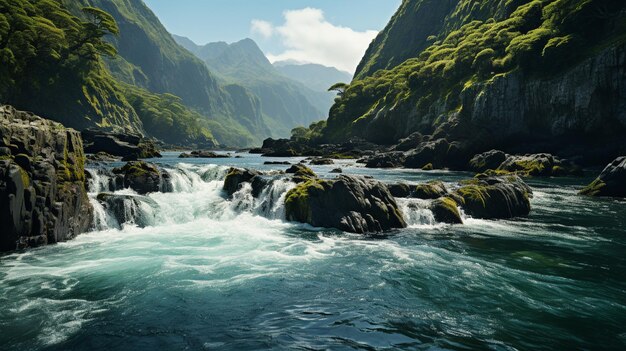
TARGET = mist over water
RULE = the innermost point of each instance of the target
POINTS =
(195, 270)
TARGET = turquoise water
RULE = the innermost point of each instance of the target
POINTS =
(210, 273)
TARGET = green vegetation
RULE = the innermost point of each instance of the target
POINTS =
(165, 117)
(479, 41)
(297, 200)
(311, 134)
(52, 66)
(594, 188)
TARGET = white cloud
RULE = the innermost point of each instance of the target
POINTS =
(263, 28)
(308, 37)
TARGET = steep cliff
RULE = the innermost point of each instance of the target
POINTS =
(42, 181)
(542, 75)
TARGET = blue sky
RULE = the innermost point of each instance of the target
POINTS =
(330, 32)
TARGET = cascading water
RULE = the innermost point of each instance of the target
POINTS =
(196, 193)
(195, 269)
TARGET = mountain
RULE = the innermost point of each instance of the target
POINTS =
(285, 103)
(521, 75)
(317, 77)
(149, 58)
(111, 65)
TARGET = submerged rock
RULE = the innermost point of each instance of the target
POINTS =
(43, 199)
(611, 182)
(490, 197)
(348, 203)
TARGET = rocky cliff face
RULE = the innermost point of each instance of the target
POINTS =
(522, 76)
(42, 181)
(589, 99)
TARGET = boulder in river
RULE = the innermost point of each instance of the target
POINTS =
(322, 161)
(491, 197)
(301, 173)
(611, 182)
(43, 198)
(349, 203)
(487, 160)
(386, 160)
(538, 165)
(237, 176)
(143, 177)
(446, 210)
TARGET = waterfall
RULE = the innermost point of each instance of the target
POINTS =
(196, 192)
(416, 212)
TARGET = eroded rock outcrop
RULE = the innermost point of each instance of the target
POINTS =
(42, 182)
(611, 182)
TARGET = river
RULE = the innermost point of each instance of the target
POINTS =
(206, 272)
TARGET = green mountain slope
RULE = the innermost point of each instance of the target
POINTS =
(51, 65)
(150, 58)
(492, 74)
(285, 103)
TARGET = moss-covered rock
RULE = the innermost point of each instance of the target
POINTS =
(488, 160)
(349, 203)
(143, 177)
(430, 190)
(446, 210)
(301, 173)
(237, 176)
(495, 197)
(611, 182)
(538, 165)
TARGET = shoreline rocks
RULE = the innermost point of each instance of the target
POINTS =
(130, 147)
(202, 154)
(43, 199)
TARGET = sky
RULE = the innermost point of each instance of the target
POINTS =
(329, 32)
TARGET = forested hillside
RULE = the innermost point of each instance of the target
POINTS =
(490, 73)
(112, 65)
